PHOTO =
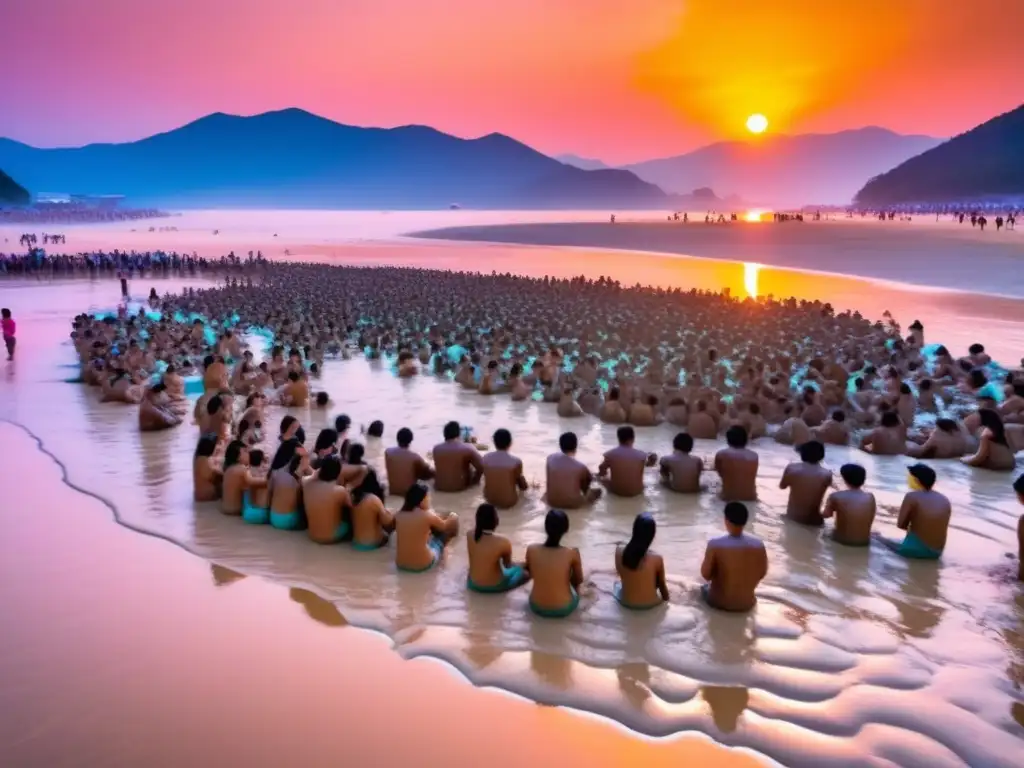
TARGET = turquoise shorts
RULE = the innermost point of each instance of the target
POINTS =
(371, 547)
(254, 515)
(915, 549)
(512, 577)
(557, 613)
(286, 521)
(436, 545)
(617, 593)
(340, 532)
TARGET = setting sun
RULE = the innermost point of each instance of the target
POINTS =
(757, 123)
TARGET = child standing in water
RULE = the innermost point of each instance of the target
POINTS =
(9, 328)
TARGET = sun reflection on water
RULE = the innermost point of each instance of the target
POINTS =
(750, 275)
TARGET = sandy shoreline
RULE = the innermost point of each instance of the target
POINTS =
(124, 650)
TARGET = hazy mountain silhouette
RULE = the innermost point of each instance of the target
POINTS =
(787, 170)
(293, 158)
(11, 192)
(985, 162)
(584, 163)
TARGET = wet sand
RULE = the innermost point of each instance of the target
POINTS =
(123, 650)
(851, 658)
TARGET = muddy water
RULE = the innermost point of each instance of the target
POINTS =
(850, 657)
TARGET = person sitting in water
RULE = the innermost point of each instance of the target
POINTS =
(237, 480)
(491, 568)
(290, 463)
(420, 533)
(853, 508)
(1018, 486)
(154, 413)
(924, 515)
(834, 431)
(256, 501)
(888, 438)
(206, 479)
(215, 418)
(622, 471)
(557, 571)
(372, 522)
(375, 430)
(737, 466)
(326, 445)
(641, 572)
(994, 450)
(458, 462)
(807, 482)
(503, 473)
(568, 479)
(404, 466)
(734, 564)
(322, 400)
(680, 470)
(946, 441)
(119, 388)
(328, 505)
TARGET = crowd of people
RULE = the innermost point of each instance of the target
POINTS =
(37, 263)
(795, 372)
(73, 213)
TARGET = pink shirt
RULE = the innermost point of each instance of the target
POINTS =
(9, 326)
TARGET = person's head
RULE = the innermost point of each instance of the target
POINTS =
(626, 435)
(568, 442)
(502, 439)
(322, 398)
(342, 423)
(946, 425)
(736, 516)
(925, 385)
(256, 457)
(326, 441)
(5, 313)
(905, 390)
(286, 451)
(854, 475)
(330, 469)
(635, 550)
(289, 426)
(369, 486)
(811, 452)
(417, 497)
(355, 453)
(682, 443)
(376, 429)
(977, 378)
(293, 376)
(208, 360)
(1018, 486)
(235, 453)
(838, 416)
(486, 520)
(452, 430)
(993, 422)
(736, 436)
(976, 349)
(890, 419)
(404, 437)
(206, 447)
(556, 525)
(922, 477)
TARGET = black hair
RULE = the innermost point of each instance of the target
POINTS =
(452, 430)
(486, 520)
(330, 469)
(991, 420)
(322, 398)
(977, 378)
(736, 513)
(327, 438)
(355, 453)
(1018, 485)
(414, 497)
(682, 442)
(924, 474)
(811, 452)
(568, 442)
(293, 376)
(369, 486)
(976, 349)
(342, 423)
(635, 550)
(890, 419)
(502, 439)
(854, 475)
(214, 404)
(736, 436)
(905, 389)
(946, 425)
(625, 435)
(556, 525)
(286, 424)
(233, 453)
(206, 446)
(284, 454)
(376, 429)
(838, 416)
(404, 437)
(256, 457)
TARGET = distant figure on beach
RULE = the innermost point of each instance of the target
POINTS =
(737, 466)
(568, 479)
(807, 482)
(853, 508)
(404, 466)
(491, 568)
(642, 583)
(502, 473)
(924, 515)
(9, 328)
(420, 533)
(622, 470)
(734, 564)
(557, 571)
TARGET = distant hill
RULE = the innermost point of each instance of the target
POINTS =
(584, 163)
(985, 162)
(11, 192)
(292, 158)
(787, 171)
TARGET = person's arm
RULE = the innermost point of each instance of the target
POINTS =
(707, 568)
(423, 470)
(652, 459)
(906, 512)
(521, 479)
(718, 462)
(602, 470)
(506, 554)
(586, 480)
(476, 466)
(830, 506)
(576, 573)
(867, 441)
(385, 517)
(785, 482)
(437, 523)
(980, 458)
(763, 562)
(663, 468)
(253, 482)
(662, 582)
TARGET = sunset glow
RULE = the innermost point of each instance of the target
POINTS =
(754, 216)
(750, 273)
(757, 123)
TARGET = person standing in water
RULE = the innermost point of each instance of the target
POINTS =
(9, 329)
(734, 564)
(853, 508)
(641, 572)
(490, 556)
(557, 571)
(807, 482)
(420, 533)
(924, 515)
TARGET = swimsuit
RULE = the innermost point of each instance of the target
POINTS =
(340, 532)
(912, 547)
(557, 613)
(286, 521)
(511, 577)
(370, 547)
(617, 593)
(436, 546)
(253, 514)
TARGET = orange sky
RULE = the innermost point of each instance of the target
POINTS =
(617, 79)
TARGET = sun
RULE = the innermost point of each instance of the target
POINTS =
(757, 123)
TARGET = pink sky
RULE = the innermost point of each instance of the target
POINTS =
(617, 79)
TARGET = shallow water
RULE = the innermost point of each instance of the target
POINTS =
(851, 657)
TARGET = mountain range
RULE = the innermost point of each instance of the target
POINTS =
(985, 162)
(291, 158)
(11, 192)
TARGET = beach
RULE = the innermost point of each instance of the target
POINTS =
(851, 658)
